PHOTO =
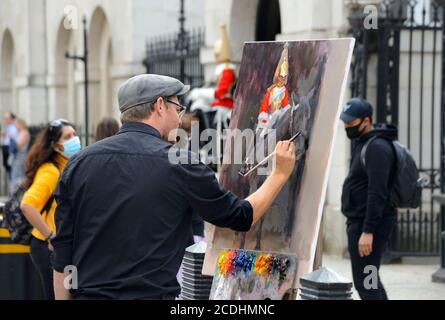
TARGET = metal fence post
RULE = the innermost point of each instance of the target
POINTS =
(439, 276)
(84, 59)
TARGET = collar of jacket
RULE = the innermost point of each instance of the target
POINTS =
(360, 141)
(61, 161)
(139, 127)
(366, 137)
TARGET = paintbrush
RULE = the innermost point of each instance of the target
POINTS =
(299, 133)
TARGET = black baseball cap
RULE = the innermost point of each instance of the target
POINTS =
(356, 108)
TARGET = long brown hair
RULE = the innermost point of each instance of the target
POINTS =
(42, 151)
(106, 128)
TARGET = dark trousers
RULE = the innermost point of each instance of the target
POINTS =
(5, 155)
(361, 272)
(40, 256)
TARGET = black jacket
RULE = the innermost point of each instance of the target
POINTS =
(365, 194)
(124, 214)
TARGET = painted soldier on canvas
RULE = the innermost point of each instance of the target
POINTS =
(277, 95)
(284, 110)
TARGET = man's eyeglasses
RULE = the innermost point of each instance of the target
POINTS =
(181, 109)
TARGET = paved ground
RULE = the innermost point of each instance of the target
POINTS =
(410, 280)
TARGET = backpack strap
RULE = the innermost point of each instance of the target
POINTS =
(48, 205)
(363, 152)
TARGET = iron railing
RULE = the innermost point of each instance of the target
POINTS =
(177, 55)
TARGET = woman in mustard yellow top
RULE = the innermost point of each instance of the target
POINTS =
(44, 163)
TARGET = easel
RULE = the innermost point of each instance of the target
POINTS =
(293, 293)
(319, 250)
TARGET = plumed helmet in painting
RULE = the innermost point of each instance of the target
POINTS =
(283, 65)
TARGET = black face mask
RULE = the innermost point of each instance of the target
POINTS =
(354, 132)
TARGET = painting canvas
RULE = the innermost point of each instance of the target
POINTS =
(284, 89)
(252, 275)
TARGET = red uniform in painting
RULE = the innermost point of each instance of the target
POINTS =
(277, 95)
(224, 87)
(274, 99)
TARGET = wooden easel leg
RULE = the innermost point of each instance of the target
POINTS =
(319, 250)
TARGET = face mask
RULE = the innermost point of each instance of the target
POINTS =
(354, 132)
(71, 147)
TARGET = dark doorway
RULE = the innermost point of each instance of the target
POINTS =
(268, 21)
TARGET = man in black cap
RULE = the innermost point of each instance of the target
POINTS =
(365, 198)
(124, 210)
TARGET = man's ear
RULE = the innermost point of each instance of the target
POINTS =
(158, 106)
(370, 120)
(366, 122)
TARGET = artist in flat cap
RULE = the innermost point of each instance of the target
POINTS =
(124, 210)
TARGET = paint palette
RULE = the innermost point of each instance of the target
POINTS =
(253, 275)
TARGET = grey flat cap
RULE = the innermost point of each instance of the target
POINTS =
(146, 88)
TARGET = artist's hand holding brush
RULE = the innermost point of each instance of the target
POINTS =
(284, 159)
(262, 199)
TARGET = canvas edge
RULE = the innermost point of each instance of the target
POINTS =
(331, 152)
